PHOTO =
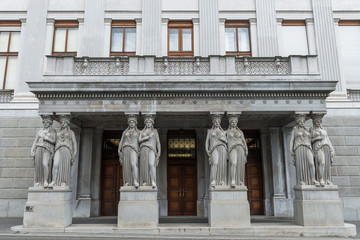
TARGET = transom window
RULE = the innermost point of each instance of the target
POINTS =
(123, 38)
(237, 38)
(66, 38)
(9, 48)
(180, 36)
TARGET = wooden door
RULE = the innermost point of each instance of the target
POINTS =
(181, 173)
(253, 174)
(111, 174)
(182, 188)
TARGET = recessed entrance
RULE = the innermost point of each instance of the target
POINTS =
(181, 173)
(111, 174)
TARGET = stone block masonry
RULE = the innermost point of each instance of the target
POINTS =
(345, 137)
(16, 164)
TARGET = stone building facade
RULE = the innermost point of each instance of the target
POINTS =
(99, 61)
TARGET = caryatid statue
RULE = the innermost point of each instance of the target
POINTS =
(150, 150)
(238, 151)
(65, 152)
(43, 151)
(216, 148)
(129, 153)
(323, 150)
(301, 150)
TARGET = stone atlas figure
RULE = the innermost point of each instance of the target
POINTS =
(149, 152)
(216, 149)
(43, 150)
(323, 151)
(65, 152)
(129, 153)
(238, 152)
(300, 148)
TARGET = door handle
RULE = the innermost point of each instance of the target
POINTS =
(183, 192)
(179, 192)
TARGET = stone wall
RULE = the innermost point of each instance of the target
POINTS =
(344, 133)
(16, 164)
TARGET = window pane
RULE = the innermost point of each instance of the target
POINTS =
(15, 41)
(187, 41)
(243, 34)
(230, 39)
(11, 70)
(60, 37)
(4, 41)
(117, 40)
(72, 40)
(130, 39)
(2, 70)
(173, 39)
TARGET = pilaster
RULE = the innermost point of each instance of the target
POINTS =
(267, 28)
(326, 43)
(96, 172)
(310, 32)
(253, 37)
(209, 27)
(92, 43)
(151, 27)
(32, 42)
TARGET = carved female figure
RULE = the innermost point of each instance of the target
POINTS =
(149, 152)
(300, 148)
(323, 151)
(43, 150)
(65, 152)
(238, 152)
(215, 146)
(129, 152)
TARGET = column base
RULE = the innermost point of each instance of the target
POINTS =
(229, 207)
(318, 206)
(48, 208)
(138, 208)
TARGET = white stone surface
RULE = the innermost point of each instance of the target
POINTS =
(229, 207)
(318, 206)
(47, 208)
(138, 208)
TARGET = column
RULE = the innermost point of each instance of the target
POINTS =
(96, 172)
(84, 179)
(107, 36)
(326, 44)
(92, 42)
(196, 32)
(209, 27)
(280, 37)
(32, 42)
(289, 166)
(267, 171)
(151, 27)
(222, 36)
(341, 86)
(281, 203)
(266, 28)
(138, 36)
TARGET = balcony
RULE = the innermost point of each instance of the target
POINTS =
(215, 83)
(6, 96)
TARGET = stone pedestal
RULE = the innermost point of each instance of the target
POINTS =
(48, 208)
(318, 206)
(138, 208)
(229, 207)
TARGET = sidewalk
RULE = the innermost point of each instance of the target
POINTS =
(6, 233)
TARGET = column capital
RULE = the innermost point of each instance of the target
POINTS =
(50, 21)
(138, 20)
(252, 20)
(222, 20)
(165, 20)
(279, 20)
(309, 20)
(107, 20)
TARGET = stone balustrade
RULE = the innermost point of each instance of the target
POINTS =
(6, 96)
(354, 95)
(213, 65)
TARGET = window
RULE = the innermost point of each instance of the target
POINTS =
(66, 38)
(349, 38)
(9, 48)
(180, 38)
(123, 38)
(237, 38)
(294, 38)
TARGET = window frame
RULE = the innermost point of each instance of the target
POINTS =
(64, 24)
(180, 25)
(349, 23)
(8, 54)
(122, 24)
(239, 24)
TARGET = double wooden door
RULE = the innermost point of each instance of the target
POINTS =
(182, 188)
